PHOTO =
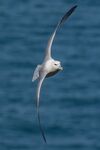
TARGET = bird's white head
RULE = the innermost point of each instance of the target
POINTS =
(53, 65)
(57, 65)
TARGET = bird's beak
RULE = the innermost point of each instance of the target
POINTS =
(60, 68)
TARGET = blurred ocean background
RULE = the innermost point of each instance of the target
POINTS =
(70, 101)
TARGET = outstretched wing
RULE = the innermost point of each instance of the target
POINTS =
(63, 19)
(41, 78)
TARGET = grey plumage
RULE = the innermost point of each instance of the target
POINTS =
(63, 19)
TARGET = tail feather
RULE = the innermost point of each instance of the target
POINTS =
(36, 73)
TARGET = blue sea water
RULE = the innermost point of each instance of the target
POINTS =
(70, 101)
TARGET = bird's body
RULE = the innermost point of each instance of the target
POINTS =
(49, 67)
(52, 73)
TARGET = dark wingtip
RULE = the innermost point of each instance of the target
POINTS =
(45, 140)
(74, 7)
(41, 129)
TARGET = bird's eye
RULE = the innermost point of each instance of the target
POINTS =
(55, 64)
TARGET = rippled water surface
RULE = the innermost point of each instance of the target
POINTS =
(70, 101)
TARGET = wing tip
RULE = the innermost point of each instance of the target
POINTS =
(41, 129)
(45, 140)
(74, 7)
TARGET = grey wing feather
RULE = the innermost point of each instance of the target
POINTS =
(41, 78)
(63, 19)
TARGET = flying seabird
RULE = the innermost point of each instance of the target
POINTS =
(49, 67)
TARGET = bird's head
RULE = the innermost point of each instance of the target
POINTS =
(53, 65)
(57, 65)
